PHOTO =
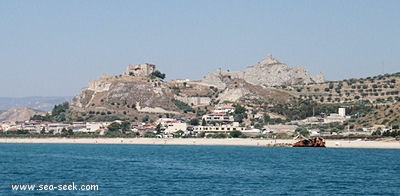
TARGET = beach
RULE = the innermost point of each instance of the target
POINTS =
(203, 141)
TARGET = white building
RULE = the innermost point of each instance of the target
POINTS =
(218, 117)
(220, 128)
(337, 117)
(224, 109)
(56, 127)
(342, 112)
(96, 126)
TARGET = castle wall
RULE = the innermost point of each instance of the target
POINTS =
(140, 69)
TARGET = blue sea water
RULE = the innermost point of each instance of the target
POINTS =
(199, 170)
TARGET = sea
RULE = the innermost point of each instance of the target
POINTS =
(106, 169)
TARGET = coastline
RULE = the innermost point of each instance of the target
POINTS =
(390, 144)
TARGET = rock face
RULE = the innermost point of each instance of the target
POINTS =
(268, 72)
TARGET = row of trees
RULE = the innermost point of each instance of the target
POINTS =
(388, 133)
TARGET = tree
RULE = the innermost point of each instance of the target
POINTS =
(179, 133)
(125, 126)
(67, 132)
(59, 112)
(302, 131)
(70, 132)
(114, 127)
(235, 133)
(266, 118)
(145, 118)
(239, 113)
(239, 109)
(203, 122)
(157, 74)
(158, 128)
(43, 131)
(194, 122)
(183, 106)
(377, 132)
(149, 134)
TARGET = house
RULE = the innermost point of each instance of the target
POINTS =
(218, 117)
(218, 128)
(224, 109)
(337, 117)
(92, 127)
(79, 126)
(56, 127)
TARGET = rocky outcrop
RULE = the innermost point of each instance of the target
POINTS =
(319, 78)
(268, 72)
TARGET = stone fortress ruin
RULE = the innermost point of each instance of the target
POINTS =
(144, 69)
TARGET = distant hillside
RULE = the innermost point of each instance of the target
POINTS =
(38, 103)
(387, 114)
(19, 114)
(377, 89)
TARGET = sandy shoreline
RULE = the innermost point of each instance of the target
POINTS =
(201, 141)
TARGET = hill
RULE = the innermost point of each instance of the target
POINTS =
(134, 94)
(269, 88)
(19, 114)
(377, 89)
(37, 103)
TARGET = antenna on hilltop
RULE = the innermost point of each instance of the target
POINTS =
(383, 67)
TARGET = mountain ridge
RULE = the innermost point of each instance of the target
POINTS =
(43, 103)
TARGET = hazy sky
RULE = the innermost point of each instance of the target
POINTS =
(53, 48)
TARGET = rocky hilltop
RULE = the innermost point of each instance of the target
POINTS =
(127, 94)
(268, 72)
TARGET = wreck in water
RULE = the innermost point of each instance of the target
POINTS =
(310, 142)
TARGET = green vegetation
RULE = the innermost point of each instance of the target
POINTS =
(302, 131)
(194, 122)
(116, 129)
(183, 106)
(218, 135)
(157, 74)
(58, 114)
(237, 134)
(240, 113)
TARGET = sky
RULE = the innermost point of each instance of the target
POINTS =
(53, 48)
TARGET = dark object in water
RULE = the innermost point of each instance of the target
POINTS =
(312, 142)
